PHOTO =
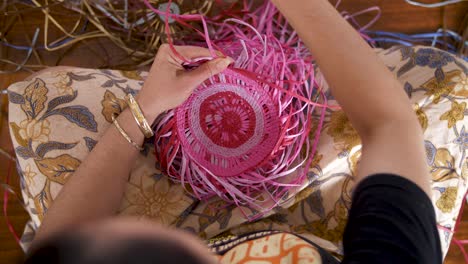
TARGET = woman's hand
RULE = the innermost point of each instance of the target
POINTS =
(101, 179)
(168, 84)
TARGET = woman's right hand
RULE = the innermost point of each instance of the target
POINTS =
(168, 84)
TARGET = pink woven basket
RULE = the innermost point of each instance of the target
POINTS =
(243, 135)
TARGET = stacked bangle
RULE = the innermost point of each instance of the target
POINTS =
(139, 116)
(124, 134)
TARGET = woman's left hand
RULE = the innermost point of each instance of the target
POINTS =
(168, 84)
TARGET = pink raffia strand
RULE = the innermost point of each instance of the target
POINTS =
(460, 243)
(261, 154)
(5, 206)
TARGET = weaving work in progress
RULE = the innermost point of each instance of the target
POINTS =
(243, 134)
(235, 131)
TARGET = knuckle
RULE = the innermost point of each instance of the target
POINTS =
(209, 70)
(164, 47)
(209, 67)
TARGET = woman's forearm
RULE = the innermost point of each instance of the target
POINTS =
(360, 82)
(95, 190)
(374, 101)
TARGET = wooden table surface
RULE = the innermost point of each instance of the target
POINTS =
(397, 15)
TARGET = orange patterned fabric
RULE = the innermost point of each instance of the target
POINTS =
(281, 248)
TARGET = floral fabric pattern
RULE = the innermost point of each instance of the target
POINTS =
(58, 115)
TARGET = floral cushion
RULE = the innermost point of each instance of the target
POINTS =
(57, 116)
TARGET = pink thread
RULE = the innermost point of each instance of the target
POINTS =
(352, 17)
(5, 206)
(179, 18)
(459, 243)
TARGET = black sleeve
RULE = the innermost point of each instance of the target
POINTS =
(391, 220)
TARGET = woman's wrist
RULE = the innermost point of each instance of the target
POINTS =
(297, 10)
(130, 127)
(151, 108)
(282, 3)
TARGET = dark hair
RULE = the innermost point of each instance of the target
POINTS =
(72, 249)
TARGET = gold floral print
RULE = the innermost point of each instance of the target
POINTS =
(58, 169)
(446, 202)
(155, 199)
(316, 160)
(442, 168)
(442, 86)
(422, 117)
(353, 161)
(15, 129)
(35, 96)
(343, 133)
(347, 190)
(321, 227)
(306, 192)
(35, 130)
(43, 200)
(215, 212)
(464, 172)
(131, 75)
(456, 113)
(111, 105)
(63, 84)
(461, 85)
(314, 166)
(29, 174)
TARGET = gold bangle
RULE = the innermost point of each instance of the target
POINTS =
(125, 135)
(139, 116)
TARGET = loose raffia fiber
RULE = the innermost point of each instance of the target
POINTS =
(133, 27)
(444, 39)
(127, 24)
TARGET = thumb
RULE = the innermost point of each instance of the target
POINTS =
(208, 69)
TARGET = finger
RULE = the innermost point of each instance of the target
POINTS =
(193, 52)
(206, 70)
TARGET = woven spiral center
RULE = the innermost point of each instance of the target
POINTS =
(227, 119)
(229, 125)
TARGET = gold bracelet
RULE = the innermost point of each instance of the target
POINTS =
(125, 135)
(139, 116)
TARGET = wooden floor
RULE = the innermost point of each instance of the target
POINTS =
(397, 16)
